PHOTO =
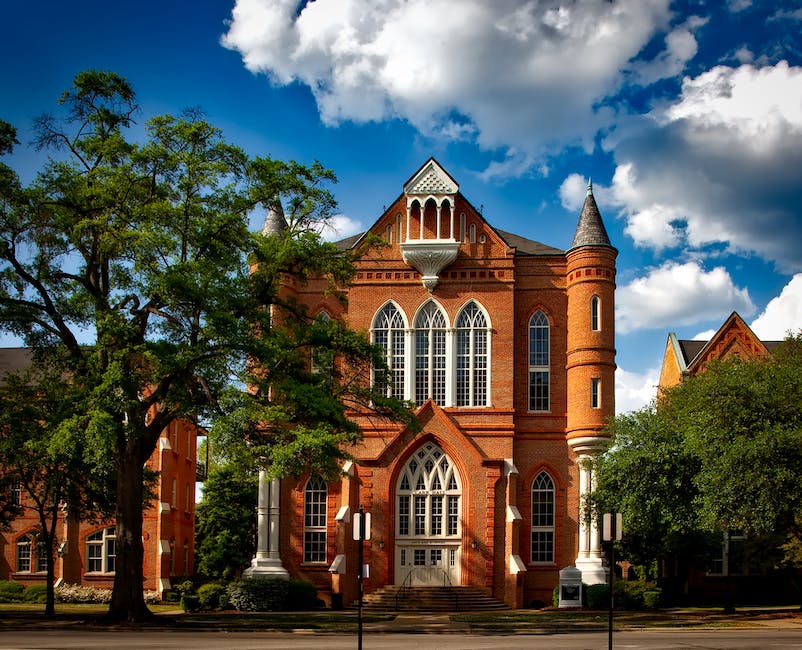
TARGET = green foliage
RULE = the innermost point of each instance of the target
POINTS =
(35, 594)
(596, 596)
(146, 247)
(302, 596)
(720, 451)
(225, 529)
(11, 591)
(636, 595)
(190, 603)
(258, 594)
(272, 594)
(212, 595)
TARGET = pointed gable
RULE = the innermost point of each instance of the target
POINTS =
(733, 339)
(431, 179)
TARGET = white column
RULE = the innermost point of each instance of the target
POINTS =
(267, 562)
(589, 557)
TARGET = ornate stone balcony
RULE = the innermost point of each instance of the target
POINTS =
(429, 257)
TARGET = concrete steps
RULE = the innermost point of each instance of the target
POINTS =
(430, 599)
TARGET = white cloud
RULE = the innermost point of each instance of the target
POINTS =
(340, 226)
(722, 165)
(635, 390)
(680, 47)
(783, 315)
(494, 72)
(679, 294)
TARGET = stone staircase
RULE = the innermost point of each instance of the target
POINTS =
(393, 598)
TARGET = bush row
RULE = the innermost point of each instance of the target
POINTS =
(630, 594)
(251, 595)
(16, 592)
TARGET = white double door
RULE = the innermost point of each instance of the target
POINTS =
(431, 565)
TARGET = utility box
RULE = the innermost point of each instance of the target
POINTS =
(570, 587)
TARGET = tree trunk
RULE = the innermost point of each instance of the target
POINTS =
(128, 599)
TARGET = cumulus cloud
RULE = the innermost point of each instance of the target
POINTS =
(339, 227)
(721, 165)
(783, 315)
(493, 72)
(679, 294)
(635, 390)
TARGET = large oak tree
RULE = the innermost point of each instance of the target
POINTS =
(131, 261)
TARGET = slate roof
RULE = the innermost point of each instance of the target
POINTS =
(590, 230)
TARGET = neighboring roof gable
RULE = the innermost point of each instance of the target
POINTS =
(733, 339)
(690, 357)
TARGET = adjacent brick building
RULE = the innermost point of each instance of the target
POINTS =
(507, 348)
(86, 551)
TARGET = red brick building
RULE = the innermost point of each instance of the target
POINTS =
(507, 348)
(86, 551)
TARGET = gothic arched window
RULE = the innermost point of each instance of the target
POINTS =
(315, 502)
(430, 354)
(543, 519)
(472, 353)
(539, 380)
(388, 332)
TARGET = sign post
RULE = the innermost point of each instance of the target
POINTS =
(612, 529)
(361, 533)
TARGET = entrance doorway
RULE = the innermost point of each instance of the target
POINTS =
(428, 520)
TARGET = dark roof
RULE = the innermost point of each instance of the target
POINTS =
(527, 246)
(590, 230)
(13, 360)
(522, 245)
(690, 348)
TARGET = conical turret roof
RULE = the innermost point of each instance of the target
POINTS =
(275, 223)
(590, 230)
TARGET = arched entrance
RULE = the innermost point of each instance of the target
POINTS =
(428, 514)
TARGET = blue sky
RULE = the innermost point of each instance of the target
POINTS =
(686, 115)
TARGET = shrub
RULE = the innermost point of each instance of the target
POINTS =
(212, 595)
(190, 603)
(555, 596)
(184, 588)
(10, 591)
(301, 596)
(258, 594)
(152, 598)
(35, 594)
(637, 595)
(632, 595)
(596, 596)
(80, 594)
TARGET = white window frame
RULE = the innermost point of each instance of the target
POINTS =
(472, 352)
(431, 354)
(316, 494)
(389, 331)
(539, 365)
(101, 551)
(543, 519)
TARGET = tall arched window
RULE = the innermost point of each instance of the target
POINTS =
(472, 346)
(543, 519)
(388, 332)
(539, 362)
(430, 354)
(315, 501)
(595, 314)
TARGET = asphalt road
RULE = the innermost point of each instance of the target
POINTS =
(762, 639)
